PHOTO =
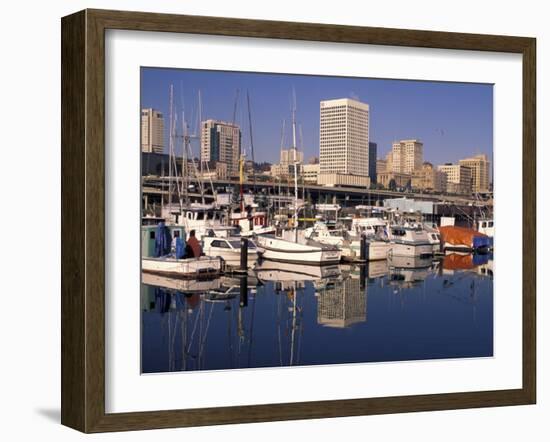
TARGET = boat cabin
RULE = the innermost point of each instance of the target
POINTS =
(148, 238)
(487, 227)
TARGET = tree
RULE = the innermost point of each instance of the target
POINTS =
(392, 185)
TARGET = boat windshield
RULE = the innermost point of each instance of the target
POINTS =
(237, 244)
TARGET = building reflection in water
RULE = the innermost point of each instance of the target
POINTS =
(342, 303)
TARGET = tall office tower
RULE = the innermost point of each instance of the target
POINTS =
(372, 161)
(221, 142)
(152, 131)
(407, 156)
(344, 137)
(479, 164)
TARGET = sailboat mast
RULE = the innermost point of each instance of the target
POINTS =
(295, 160)
(251, 140)
(171, 150)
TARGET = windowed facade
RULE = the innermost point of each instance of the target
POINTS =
(152, 131)
(344, 137)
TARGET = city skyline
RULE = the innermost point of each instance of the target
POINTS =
(453, 120)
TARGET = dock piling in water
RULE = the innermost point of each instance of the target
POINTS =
(244, 254)
(243, 292)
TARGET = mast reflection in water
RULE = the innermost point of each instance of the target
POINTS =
(395, 310)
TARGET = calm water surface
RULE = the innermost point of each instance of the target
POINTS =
(282, 315)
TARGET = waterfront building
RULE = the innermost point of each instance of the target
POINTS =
(407, 156)
(372, 161)
(310, 173)
(459, 178)
(221, 142)
(429, 178)
(152, 131)
(344, 137)
(479, 164)
(393, 180)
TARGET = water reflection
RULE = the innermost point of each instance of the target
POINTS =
(287, 314)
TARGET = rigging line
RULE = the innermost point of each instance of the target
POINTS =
(183, 339)
(171, 149)
(279, 330)
(193, 333)
(201, 346)
(172, 344)
(251, 329)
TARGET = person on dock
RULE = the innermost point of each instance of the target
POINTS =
(193, 249)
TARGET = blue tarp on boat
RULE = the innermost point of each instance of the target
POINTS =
(180, 248)
(163, 240)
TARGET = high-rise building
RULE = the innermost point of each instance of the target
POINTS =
(221, 142)
(459, 178)
(344, 137)
(480, 172)
(152, 131)
(372, 161)
(407, 156)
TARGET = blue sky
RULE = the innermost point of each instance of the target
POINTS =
(453, 120)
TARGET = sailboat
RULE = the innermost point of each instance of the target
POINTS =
(293, 246)
(249, 221)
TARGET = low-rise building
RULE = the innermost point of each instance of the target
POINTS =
(288, 159)
(459, 178)
(341, 179)
(310, 173)
(393, 180)
(215, 170)
(429, 178)
(381, 165)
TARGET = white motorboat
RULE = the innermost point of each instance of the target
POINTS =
(434, 239)
(197, 217)
(409, 241)
(302, 250)
(369, 226)
(229, 249)
(184, 268)
(487, 227)
(349, 243)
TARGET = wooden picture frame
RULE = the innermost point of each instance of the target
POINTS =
(83, 220)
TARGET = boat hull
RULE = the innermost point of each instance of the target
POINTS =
(232, 256)
(276, 249)
(183, 268)
(410, 249)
